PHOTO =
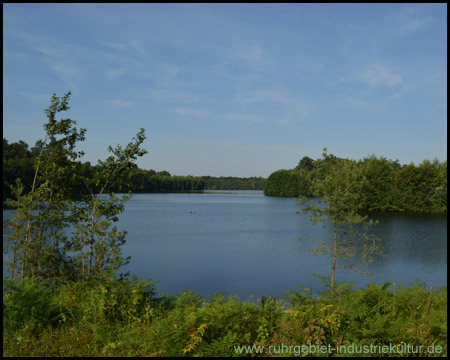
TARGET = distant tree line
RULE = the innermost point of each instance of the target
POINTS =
(388, 185)
(234, 183)
(150, 181)
(19, 162)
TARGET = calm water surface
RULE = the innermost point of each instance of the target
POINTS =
(247, 244)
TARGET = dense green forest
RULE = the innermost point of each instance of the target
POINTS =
(19, 162)
(388, 185)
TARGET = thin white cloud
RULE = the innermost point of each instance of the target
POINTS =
(191, 112)
(311, 151)
(163, 95)
(114, 45)
(252, 55)
(68, 72)
(61, 59)
(291, 107)
(382, 85)
(34, 97)
(226, 144)
(114, 73)
(241, 117)
(16, 56)
(408, 20)
(372, 75)
(118, 102)
(369, 102)
(376, 75)
(278, 148)
(263, 96)
(59, 52)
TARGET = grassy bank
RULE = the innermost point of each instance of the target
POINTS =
(126, 318)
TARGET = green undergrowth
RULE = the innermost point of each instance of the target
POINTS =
(128, 318)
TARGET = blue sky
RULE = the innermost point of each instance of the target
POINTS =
(232, 89)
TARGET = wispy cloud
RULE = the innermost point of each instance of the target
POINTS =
(369, 101)
(119, 102)
(16, 56)
(311, 151)
(263, 96)
(382, 84)
(408, 20)
(114, 45)
(191, 112)
(114, 73)
(296, 115)
(377, 74)
(68, 72)
(220, 144)
(241, 117)
(252, 56)
(292, 108)
(34, 97)
(315, 151)
(373, 75)
(61, 59)
(164, 95)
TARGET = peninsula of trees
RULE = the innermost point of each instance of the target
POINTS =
(388, 185)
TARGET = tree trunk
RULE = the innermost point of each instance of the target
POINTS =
(334, 258)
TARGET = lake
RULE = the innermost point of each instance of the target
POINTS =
(245, 243)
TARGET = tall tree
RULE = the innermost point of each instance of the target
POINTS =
(340, 187)
(60, 229)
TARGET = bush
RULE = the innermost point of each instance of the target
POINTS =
(29, 305)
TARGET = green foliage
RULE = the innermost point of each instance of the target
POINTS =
(61, 228)
(233, 183)
(306, 163)
(19, 162)
(378, 189)
(339, 182)
(63, 297)
(288, 183)
(388, 186)
(126, 318)
(149, 181)
(107, 301)
(28, 305)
